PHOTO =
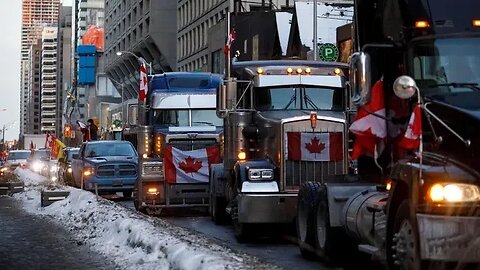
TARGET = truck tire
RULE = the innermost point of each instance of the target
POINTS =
(243, 231)
(330, 242)
(127, 194)
(217, 204)
(307, 199)
(405, 241)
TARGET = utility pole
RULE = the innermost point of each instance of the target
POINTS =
(315, 38)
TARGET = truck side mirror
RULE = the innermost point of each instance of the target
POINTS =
(75, 156)
(360, 83)
(132, 115)
(226, 97)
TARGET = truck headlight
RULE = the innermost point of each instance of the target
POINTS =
(37, 166)
(69, 170)
(88, 171)
(260, 174)
(4, 169)
(454, 193)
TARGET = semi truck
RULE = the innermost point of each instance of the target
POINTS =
(409, 207)
(275, 112)
(178, 136)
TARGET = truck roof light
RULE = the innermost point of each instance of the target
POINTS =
(476, 23)
(308, 70)
(289, 70)
(299, 70)
(337, 71)
(313, 119)
(422, 24)
(260, 71)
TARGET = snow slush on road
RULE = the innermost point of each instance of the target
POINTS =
(134, 240)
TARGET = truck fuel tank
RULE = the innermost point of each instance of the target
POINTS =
(364, 217)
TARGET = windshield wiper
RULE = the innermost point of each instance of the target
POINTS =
(473, 86)
(203, 122)
(309, 101)
(292, 99)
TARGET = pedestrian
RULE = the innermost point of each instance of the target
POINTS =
(92, 130)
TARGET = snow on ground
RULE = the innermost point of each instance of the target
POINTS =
(135, 241)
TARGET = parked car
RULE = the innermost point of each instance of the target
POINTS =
(64, 173)
(16, 158)
(111, 166)
(38, 160)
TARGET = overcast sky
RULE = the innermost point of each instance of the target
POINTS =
(10, 21)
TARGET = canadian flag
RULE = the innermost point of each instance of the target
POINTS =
(369, 127)
(143, 83)
(189, 166)
(411, 140)
(231, 38)
(315, 146)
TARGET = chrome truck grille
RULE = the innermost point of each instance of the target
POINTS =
(298, 171)
(189, 145)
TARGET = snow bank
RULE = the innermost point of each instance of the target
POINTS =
(134, 240)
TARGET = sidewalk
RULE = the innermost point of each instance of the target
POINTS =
(32, 242)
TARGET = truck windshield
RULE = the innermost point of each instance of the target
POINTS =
(109, 149)
(443, 66)
(298, 98)
(182, 118)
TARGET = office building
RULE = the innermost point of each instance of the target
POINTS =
(48, 93)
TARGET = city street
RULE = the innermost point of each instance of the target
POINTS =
(30, 242)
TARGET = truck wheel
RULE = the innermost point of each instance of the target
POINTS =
(330, 242)
(242, 231)
(405, 241)
(307, 199)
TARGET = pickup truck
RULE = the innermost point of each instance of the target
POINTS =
(111, 166)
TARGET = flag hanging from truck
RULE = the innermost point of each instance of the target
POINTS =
(311, 146)
(231, 38)
(411, 140)
(189, 166)
(143, 83)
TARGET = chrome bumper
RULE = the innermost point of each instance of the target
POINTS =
(267, 208)
(449, 238)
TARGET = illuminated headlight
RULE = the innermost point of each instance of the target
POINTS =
(53, 168)
(37, 166)
(260, 174)
(69, 170)
(152, 191)
(53, 178)
(88, 171)
(152, 168)
(453, 192)
(4, 169)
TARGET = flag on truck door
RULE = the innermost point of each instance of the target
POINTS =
(315, 146)
(189, 166)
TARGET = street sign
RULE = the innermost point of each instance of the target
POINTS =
(328, 52)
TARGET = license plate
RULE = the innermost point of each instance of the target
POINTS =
(117, 183)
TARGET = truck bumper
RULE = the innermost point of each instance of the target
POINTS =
(106, 184)
(449, 238)
(267, 208)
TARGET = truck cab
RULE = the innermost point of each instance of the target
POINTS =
(181, 136)
(285, 123)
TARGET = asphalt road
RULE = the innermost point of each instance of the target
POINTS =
(277, 248)
(31, 242)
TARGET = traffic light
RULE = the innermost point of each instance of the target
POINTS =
(67, 131)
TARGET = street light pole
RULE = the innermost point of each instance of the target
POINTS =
(315, 52)
(139, 59)
(123, 101)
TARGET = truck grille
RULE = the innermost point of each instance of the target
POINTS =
(297, 172)
(116, 170)
(189, 145)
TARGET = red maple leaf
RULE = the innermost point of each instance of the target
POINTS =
(190, 165)
(314, 146)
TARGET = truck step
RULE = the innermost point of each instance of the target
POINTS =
(368, 249)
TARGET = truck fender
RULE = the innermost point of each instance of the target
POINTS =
(217, 180)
